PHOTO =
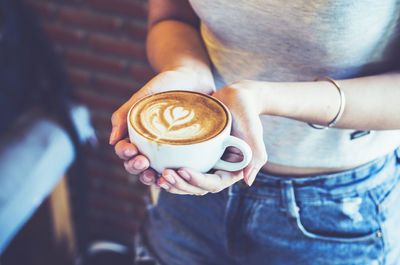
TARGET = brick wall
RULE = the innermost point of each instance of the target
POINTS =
(102, 43)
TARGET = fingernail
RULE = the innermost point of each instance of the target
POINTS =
(250, 179)
(128, 152)
(112, 136)
(138, 164)
(184, 174)
(164, 186)
(146, 178)
(169, 178)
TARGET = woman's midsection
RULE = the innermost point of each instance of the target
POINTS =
(289, 171)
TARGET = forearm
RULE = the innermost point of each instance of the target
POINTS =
(173, 44)
(372, 103)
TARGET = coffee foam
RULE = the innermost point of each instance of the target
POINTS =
(178, 117)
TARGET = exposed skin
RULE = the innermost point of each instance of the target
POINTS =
(176, 51)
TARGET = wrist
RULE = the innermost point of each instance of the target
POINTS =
(270, 98)
(251, 91)
(277, 99)
(200, 75)
(261, 97)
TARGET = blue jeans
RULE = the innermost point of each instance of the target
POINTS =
(350, 217)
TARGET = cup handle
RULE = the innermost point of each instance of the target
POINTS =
(243, 147)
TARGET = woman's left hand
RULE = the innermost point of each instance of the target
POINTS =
(243, 101)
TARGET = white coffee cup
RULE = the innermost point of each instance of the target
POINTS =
(202, 156)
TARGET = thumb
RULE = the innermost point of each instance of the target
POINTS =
(118, 122)
(118, 118)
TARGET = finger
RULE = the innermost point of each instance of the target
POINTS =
(254, 138)
(125, 149)
(148, 177)
(232, 155)
(234, 150)
(137, 165)
(162, 183)
(118, 122)
(259, 159)
(211, 182)
(178, 185)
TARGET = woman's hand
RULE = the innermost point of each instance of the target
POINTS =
(245, 104)
(177, 79)
(242, 99)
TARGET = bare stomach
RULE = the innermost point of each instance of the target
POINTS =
(276, 169)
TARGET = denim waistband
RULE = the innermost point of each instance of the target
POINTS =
(345, 183)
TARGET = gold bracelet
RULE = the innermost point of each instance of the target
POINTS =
(341, 107)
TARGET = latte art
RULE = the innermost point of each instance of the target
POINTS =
(178, 117)
(169, 121)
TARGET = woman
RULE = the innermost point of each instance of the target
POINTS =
(325, 196)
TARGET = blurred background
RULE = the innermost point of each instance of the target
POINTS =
(101, 46)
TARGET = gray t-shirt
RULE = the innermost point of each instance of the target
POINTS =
(298, 40)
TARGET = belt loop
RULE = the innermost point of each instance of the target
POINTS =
(289, 199)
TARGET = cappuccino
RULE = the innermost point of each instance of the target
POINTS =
(178, 117)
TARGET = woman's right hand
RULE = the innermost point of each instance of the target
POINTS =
(177, 79)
